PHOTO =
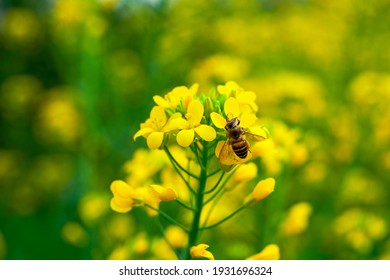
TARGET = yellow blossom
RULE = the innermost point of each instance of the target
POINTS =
(125, 197)
(21, 27)
(232, 109)
(179, 95)
(194, 116)
(246, 99)
(141, 244)
(161, 250)
(245, 172)
(297, 218)
(59, 118)
(145, 163)
(164, 194)
(119, 253)
(229, 88)
(153, 195)
(176, 236)
(199, 251)
(263, 189)
(158, 124)
(270, 252)
(92, 207)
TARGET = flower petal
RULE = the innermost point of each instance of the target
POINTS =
(175, 122)
(247, 120)
(160, 101)
(158, 116)
(119, 207)
(165, 194)
(231, 107)
(194, 88)
(151, 198)
(206, 132)
(263, 189)
(122, 189)
(199, 251)
(143, 132)
(185, 137)
(218, 120)
(228, 88)
(195, 112)
(245, 172)
(155, 140)
(270, 252)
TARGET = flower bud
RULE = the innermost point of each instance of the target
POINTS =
(199, 251)
(270, 252)
(261, 191)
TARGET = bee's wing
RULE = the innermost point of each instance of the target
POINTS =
(226, 155)
(254, 137)
(256, 134)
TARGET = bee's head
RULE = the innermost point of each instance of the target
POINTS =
(232, 123)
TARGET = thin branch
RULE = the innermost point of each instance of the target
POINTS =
(224, 219)
(184, 205)
(216, 184)
(178, 164)
(181, 176)
(167, 217)
(162, 232)
(215, 202)
(214, 172)
(220, 187)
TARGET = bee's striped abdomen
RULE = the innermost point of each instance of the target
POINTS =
(240, 148)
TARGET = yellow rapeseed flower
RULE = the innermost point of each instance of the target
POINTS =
(199, 251)
(297, 218)
(245, 172)
(176, 236)
(194, 117)
(158, 124)
(232, 109)
(125, 197)
(263, 189)
(270, 252)
(246, 99)
(178, 96)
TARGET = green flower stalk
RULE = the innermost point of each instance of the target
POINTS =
(206, 140)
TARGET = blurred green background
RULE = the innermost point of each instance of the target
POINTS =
(77, 78)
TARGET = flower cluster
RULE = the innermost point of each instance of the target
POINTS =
(197, 142)
(188, 117)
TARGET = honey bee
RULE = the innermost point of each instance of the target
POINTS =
(236, 148)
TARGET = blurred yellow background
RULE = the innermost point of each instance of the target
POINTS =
(77, 78)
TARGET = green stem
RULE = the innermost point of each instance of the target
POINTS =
(194, 232)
